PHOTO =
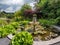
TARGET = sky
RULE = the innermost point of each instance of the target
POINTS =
(13, 5)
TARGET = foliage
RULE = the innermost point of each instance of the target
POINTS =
(49, 8)
(17, 19)
(5, 30)
(20, 13)
(2, 14)
(2, 22)
(10, 16)
(6, 15)
(22, 38)
(46, 22)
(11, 28)
(15, 24)
(25, 22)
(40, 4)
(58, 20)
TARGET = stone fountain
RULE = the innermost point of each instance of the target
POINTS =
(34, 22)
(35, 26)
(38, 31)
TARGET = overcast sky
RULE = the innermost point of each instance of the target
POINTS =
(13, 5)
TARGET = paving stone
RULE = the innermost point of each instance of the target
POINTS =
(4, 41)
(58, 43)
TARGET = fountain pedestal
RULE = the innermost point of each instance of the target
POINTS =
(34, 22)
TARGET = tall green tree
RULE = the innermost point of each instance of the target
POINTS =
(49, 8)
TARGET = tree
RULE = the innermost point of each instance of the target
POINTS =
(2, 14)
(21, 11)
(20, 14)
(49, 8)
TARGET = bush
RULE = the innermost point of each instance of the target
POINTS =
(45, 22)
(22, 38)
(15, 24)
(2, 22)
(49, 8)
(5, 30)
(17, 19)
(58, 20)
(24, 22)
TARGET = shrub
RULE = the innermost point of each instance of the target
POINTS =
(22, 38)
(2, 22)
(17, 19)
(5, 30)
(45, 22)
(58, 20)
(15, 24)
(24, 22)
(48, 8)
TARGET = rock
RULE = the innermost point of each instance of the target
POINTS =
(10, 36)
(56, 29)
(36, 39)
